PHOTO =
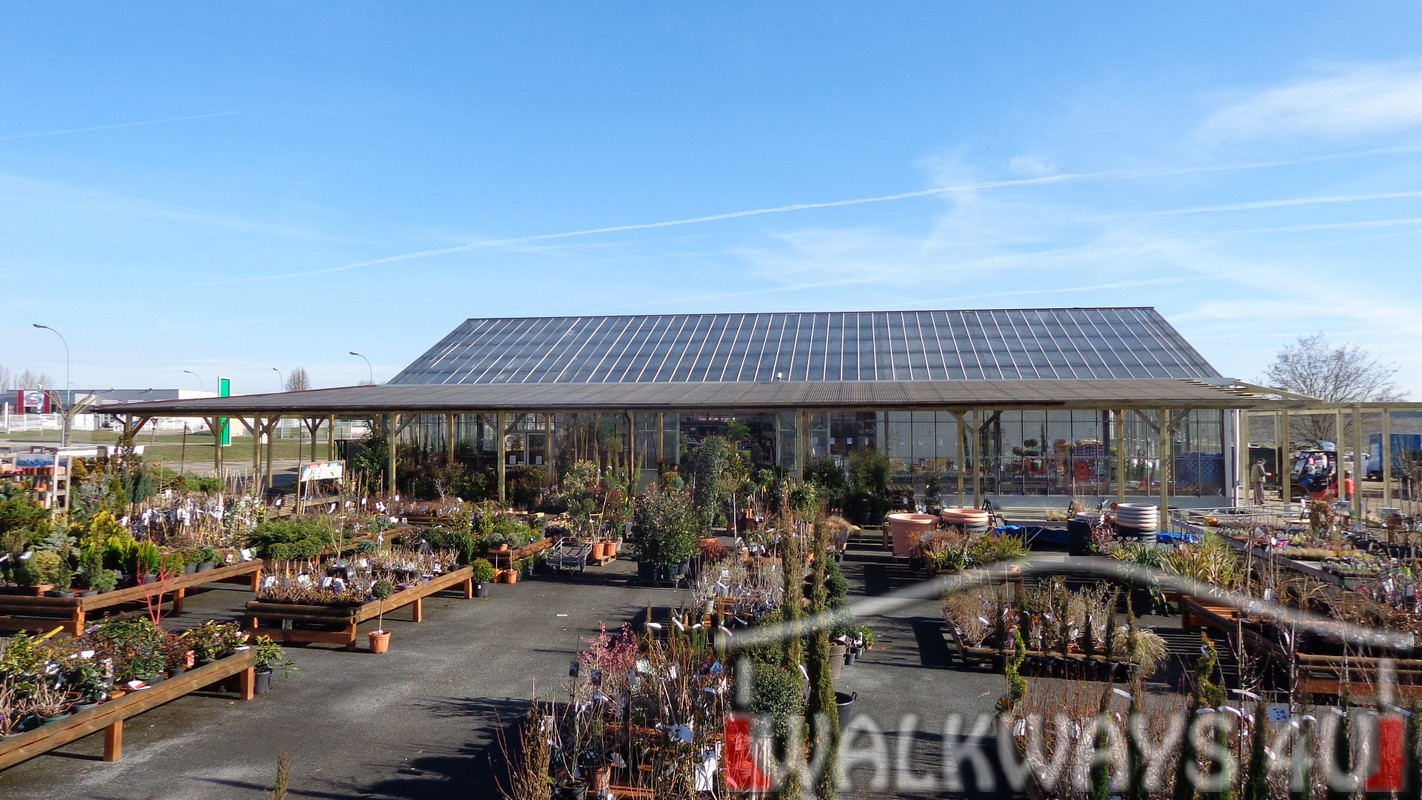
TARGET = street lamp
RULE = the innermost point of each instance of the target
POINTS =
(195, 375)
(68, 392)
(281, 384)
(368, 368)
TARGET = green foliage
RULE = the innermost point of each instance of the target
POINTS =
(710, 460)
(371, 459)
(102, 580)
(382, 589)
(829, 479)
(836, 587)
(1016, 684)
(665, 526)
(42, 567)
(137, 646)
(870, 472)
(779, 694)
(22, 520)
(482, 570)
(578, 494)
(1211, 561)
(290, 539)
(269, 657)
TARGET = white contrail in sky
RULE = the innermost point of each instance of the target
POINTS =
(1294, 201)
(1133, 174)
(116, 126)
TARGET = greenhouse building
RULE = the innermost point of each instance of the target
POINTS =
(1024, 406)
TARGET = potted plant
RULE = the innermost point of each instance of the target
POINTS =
(270, 657)
(208, 558)
(89, 679)
(665, 526)
(103, 580)
(482, 572)
(39, 569)
(380, 638)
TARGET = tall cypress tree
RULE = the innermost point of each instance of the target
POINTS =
(821, 706)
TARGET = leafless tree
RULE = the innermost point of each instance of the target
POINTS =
(32, 380)
(297, 380)
(1342, 374)
(5, 375)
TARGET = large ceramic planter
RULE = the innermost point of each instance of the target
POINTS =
(972, 520)
(901, 526)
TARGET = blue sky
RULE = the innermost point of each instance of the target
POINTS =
(228, 188)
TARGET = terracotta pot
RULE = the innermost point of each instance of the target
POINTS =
(508, 576)
(901, 525)
(599, 551)
(379, 641)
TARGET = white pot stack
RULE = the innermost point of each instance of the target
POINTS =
(1140, 517)
(972, 520)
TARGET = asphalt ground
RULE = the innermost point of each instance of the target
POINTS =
(419, 722)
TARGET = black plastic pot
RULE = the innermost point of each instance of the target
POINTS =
(264, 681)
(481, 590)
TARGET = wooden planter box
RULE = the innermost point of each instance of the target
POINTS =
(109, 716)
(42, 614)
(340, 624)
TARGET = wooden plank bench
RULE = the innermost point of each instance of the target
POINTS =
(1357, 676)
(71, 614)
(1196, 613)
(504, 559)
(109, 717)
(342, 623)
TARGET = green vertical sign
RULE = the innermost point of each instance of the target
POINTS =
(224, 389)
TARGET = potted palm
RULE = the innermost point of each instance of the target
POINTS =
(380, 638)
(482, 573)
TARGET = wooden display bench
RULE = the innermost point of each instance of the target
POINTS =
(504, 559)
(1356, 676)
(109, 716)
(42, 614)
(1197, 613)
(340, 624)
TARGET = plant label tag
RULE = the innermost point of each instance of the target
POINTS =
(246, 554)
(1278, 713)
(573, 669)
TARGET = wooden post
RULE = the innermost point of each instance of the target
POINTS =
(331, 437)
(1357, 498)
(1167, 463)
(247, 683)
(977, 459)
(1385, 453)
(419, 609)
(501, 422)
(962, 461)
(392, 422)
(113, 735)
(450, 421)
(1286, 469)
(271, 429)
(1120, 415)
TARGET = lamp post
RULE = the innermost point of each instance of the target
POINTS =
(68, 392)
(368, 368)
(195, 375)
(281, 383)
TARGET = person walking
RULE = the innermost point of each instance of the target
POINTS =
(1257, 474)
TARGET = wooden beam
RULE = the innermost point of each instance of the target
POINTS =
(450, 421)
(392, 428)
(1120, 442)
(501, 470)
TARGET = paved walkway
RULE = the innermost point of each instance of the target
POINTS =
(418, 722)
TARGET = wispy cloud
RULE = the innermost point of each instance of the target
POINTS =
(115, 126)
(1287, 203)
(965, 188)
(1353, 100)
